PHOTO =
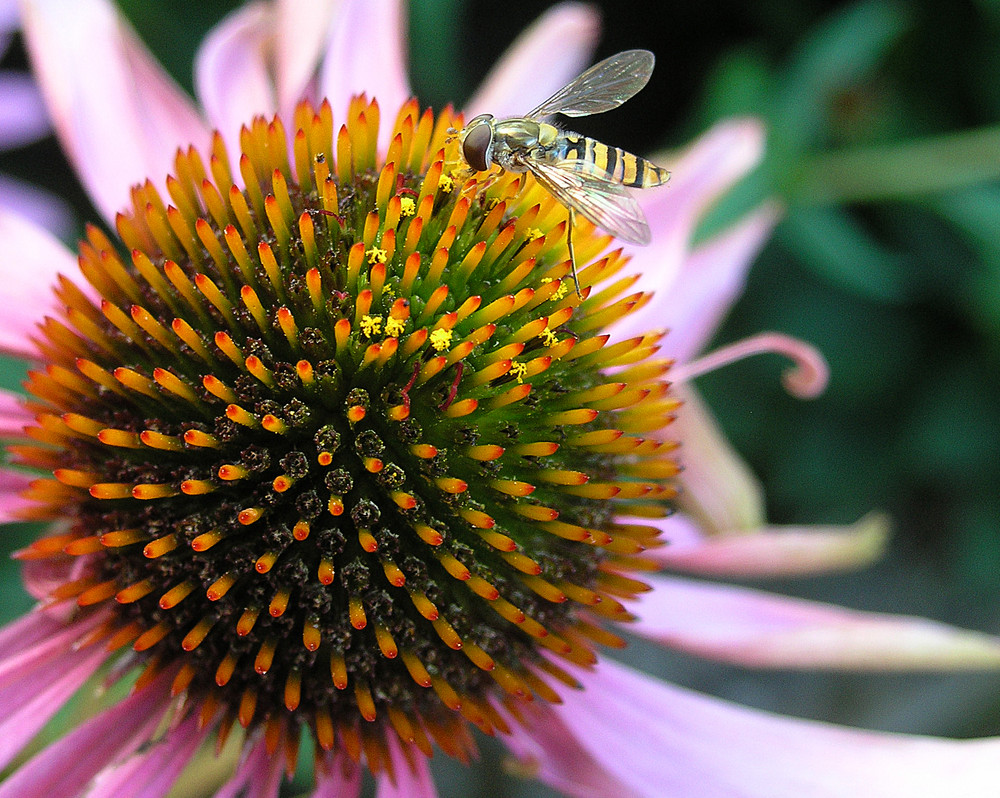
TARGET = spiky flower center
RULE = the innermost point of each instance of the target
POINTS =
(341, 447)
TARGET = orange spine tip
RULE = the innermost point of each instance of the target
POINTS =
(522, 563)
(206, 540)
(196, 487)
(220, 587)
(385, 642)
(135, 592)
(160, 491)
(325, 572)
(447, 634)
(454, 567)
(367, 541)
(395, 577)
(265, 657)
(279, 603)
(311, 637)
(151, 637)
(428, 535)
(251, 515)
(356, 612)
(478, 518)
(175, 595)
(160, 546)
(247, 621)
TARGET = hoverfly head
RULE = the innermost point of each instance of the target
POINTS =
(477, 143)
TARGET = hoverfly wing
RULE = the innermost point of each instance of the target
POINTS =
(608, 205)
(604, 86)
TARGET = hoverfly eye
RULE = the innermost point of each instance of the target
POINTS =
(477, 145)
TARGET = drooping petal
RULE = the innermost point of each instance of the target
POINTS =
(546, 56)
(30, 259)
(22, 112)
(411, 775)
(302, 27)
(661, 740)
(13, 415)
(698, 178)
(151, 773)
(710, 280)
(232, 69)
(751, 627)
(29, 702)
(40, 207)
(719, 491)
(12, 483)
(60, 769)
(258, 775)
(119, 116)
(366, 52)
(772, 551)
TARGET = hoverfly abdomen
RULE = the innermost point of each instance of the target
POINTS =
(612, 164)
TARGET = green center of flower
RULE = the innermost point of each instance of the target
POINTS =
(341, 447)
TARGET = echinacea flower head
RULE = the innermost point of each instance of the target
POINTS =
(336, 458)
(335, 452)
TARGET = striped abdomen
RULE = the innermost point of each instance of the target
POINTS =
(610, 163)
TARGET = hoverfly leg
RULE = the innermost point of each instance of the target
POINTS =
(572, 253)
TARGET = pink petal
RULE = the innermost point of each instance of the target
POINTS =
(700, 176)
(772, 551)
(660, 740)
(719, 491)
(28, 703)
(412, 774)
(366, 53)
(8, 19)
(302, 27)
(337, 777)
(548, 751)
(257, 776)
(41, 577)
(555, 49)
(30, 259)
(39, 638)
(710, 280)
(151, 773)
(22, 112)
(232, 69)
(13, 415)
(750, 627)
(60, 769)
(40, 207)
(118, 114)
(12, 483)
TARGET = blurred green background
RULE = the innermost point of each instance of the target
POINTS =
(885, 148)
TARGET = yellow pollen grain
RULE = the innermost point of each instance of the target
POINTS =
(532, 233)
(441, 339)
(519, 370)
(407, 206)
(548, 337)
(371, 325)
(394, 327)
(375, 255)
(446, 183)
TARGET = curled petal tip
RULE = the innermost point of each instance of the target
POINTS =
(807, 378)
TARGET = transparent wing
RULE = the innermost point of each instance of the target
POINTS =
(607, 205)
(604, 86)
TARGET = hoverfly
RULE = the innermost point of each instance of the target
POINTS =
(586, 176)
